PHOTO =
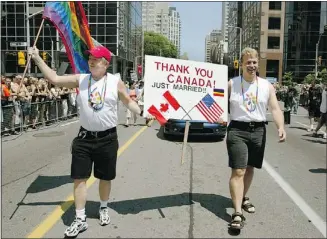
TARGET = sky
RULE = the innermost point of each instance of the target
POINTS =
(198, 20)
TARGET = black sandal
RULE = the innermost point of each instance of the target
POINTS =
(248, 205)
(236, 224)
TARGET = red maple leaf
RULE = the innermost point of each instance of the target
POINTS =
(164, 107)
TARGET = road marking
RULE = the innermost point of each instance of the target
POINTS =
(51, 220)
(297, 199)
(307, 126)
(69, 123)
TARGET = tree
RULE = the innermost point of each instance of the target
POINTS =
(323, 76)
(156, 44)
(184, 56)
(309, 78)
(288, 78)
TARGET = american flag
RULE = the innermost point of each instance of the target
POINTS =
(209, 109)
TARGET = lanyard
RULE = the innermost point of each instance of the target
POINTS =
(249, 103)
(100, 105)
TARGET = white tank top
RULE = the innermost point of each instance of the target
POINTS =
(249, 111)
(105, 118)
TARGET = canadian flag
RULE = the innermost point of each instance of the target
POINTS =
(162, 113)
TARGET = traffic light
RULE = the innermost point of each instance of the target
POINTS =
(44, 56)
(236, 64)
(21, 58)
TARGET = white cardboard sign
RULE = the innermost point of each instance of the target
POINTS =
(183, 89)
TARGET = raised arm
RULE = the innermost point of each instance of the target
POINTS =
(69, 81)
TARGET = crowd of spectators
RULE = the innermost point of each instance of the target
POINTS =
(33, 104)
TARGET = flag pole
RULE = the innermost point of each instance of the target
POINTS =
(187, 127)
(29, 57)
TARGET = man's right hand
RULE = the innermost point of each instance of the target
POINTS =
(33, 52)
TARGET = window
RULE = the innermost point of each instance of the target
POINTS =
(273, 42)
(272, 68)
(274, 23)
(275, 5)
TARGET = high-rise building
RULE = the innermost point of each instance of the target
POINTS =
(234, 23)
(120, 35)
(224, 22)
(223, 45)
(149, 16)
(175, 29)
(262, 28)
(160, 18)
(212, 40)
(304, 25)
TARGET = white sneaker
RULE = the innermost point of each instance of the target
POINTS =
(76, 227)
(325, 136)
(104, 216)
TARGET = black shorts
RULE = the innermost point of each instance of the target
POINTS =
(100, 151)
(246, 144)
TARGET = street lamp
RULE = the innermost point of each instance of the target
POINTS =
(317, 49)
(239, 68)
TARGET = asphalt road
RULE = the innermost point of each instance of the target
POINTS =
(155, 196)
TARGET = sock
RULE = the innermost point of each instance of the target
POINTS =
(103, 204)
(81, 214)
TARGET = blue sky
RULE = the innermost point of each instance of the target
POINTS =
(198, 19)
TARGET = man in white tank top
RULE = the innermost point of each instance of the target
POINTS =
(249, 98)
(96, 143)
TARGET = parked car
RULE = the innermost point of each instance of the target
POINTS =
(197, 128)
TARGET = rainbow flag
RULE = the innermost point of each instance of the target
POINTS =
(219, 92)
(70, 21)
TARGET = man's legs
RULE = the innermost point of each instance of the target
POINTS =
(236, 188)
(80, 193)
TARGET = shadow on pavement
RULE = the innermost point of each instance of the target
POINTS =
(216, 204)
(318, 170)
(317, 141)
(45, 183)
(297, 127)
(191, 139)
(41, 184)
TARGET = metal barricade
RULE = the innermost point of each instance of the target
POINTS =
(11, 120)
(34, 116)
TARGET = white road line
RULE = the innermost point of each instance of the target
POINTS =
(316, 220)
(69, 123)
(307, 126)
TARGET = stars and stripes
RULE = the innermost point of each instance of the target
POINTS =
(209, 109)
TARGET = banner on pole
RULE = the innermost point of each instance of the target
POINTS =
(183, 89)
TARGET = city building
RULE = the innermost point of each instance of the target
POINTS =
(261, 25)
(122, 36)
(223, 45)
(234, 25)
(160, 18)
(174, 34)
(212, 42)
(224, 22)
(304, 26)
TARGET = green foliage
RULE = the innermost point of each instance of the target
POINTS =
(288, 78)
(323, 76)
(156, 44)
(184, 56)
(309, 78)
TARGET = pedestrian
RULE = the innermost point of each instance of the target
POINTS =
(323, 117)
(96, 143)
(289, 103)
(249, 97)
